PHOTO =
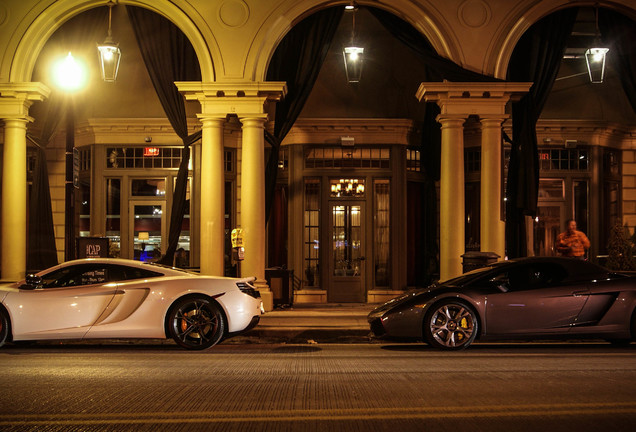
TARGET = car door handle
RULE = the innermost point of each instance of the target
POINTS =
(580, 293)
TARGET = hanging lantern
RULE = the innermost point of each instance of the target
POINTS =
(109, 52)
(353, 54)
(595, 57)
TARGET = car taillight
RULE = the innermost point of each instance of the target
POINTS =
(248, 289)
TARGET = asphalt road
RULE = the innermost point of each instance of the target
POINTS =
(366, 387)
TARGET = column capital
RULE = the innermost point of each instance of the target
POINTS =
(17, 98)
(212, 118)
(493, 120)
(240, 98)
(451, 120)
(472, 98)
(259, 119)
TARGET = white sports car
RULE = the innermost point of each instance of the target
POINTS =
(118, 298)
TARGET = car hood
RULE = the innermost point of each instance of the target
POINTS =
(431, 291)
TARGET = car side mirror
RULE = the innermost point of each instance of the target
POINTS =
(32, 282)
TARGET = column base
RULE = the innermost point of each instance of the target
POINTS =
(266, 294)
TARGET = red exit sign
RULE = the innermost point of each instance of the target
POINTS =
(151, 151)
(544, 156)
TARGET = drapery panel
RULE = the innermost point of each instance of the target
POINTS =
(536, 58)
(297, 61)
(439, 68)
(41, 247)
(169, 57)
(621, 31)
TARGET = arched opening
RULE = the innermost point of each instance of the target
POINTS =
(127, 142)
(373, 134)
(575, 167)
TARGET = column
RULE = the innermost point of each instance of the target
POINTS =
(212, 204)
(452, 213)
(253, 203)
(14, 200)
(492, 231)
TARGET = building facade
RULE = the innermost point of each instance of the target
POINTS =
(355, 212)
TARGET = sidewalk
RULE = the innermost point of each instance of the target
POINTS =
(311, 323)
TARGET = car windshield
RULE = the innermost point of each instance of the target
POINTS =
(471, 275)
(155, 264)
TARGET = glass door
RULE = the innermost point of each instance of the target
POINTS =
(547, 226)
(347, 252)
(147, 230)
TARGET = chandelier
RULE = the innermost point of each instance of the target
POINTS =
(347, 188)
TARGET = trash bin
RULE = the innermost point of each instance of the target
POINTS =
(475, 260)
(280, 282)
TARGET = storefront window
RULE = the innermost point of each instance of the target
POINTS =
(311, 235)
(413, 160)
(551, 189)
(564, 159)
(113, 216)
(581, 204)
(347, 157)
(84, 209)
(382, 234)
(472, 203)
(144, 157)
(182, 255)
(148, 187)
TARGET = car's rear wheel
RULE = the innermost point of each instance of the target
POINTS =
(450, 325)
(4, 327)
(196, 323)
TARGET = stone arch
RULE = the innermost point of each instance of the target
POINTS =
(39, 29)
(523, 18)
(427, 21)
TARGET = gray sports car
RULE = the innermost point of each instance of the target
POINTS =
(527, 298)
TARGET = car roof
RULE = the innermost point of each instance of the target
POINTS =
(124, 262)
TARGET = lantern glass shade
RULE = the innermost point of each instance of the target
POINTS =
(109, 56)
(353, 63)
(595, 59)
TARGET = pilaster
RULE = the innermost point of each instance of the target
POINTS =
(493, 238)
(458, 101)
(452, 212)
(250, 102)
(15, 101)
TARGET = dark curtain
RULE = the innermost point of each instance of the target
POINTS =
(439, 68)
(169, 57)
(536, 59)
(41, 249)
(297, 61)
(620, 32)
(277, 227)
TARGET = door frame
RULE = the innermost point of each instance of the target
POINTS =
(561, 206)
(131, 223)
(335, 284)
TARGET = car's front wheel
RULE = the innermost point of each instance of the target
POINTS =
(196, 323)
(451, 325)
(4, 327)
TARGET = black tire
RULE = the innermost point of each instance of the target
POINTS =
(196, 323)
(450, 325)
(4, 327)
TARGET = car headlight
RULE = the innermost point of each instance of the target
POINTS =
(248, 289)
